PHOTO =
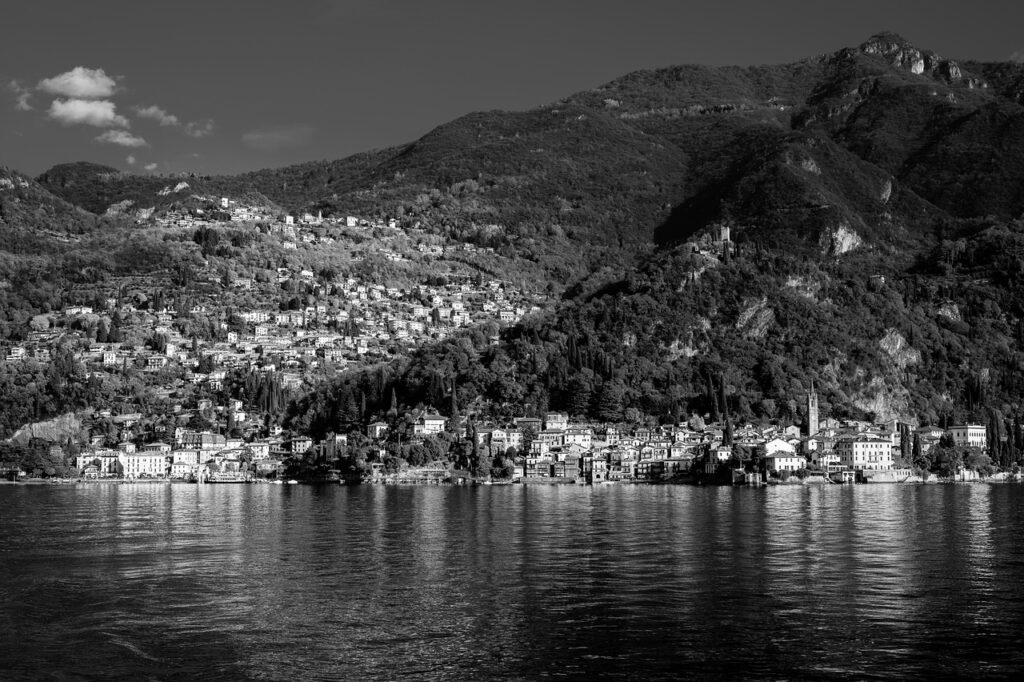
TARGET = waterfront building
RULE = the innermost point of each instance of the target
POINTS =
(864, 451)
(147, 464)
(783, 460)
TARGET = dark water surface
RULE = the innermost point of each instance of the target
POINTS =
(295, 582)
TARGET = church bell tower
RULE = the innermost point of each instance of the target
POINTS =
(812, 411)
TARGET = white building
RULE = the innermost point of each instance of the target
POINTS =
(260, 450)
(556, 421)
(969, 435)
(777, 445)
(864, 452)
(829, 461)
(429, 424)
(581, 437)
(190, 457)
(183, 470)
(784, 461)
(147, 464)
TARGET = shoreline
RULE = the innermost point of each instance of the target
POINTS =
(532, 482)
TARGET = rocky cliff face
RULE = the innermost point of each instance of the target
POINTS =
(902, 55)
(57, 430)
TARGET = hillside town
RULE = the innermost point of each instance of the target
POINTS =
(281, 334)
(364, 323)
(309, 321)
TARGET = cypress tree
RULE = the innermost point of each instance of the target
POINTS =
(724, 404)
(713, 399)
(454, 409)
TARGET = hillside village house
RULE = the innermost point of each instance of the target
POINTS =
(429, 424)
(507, 438)
(579, 436)
(556, 421)
(202, 440)
(778, 445)
(552, 437)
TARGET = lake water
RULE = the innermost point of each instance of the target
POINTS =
(187, 582)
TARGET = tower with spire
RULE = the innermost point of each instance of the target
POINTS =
(812, 411)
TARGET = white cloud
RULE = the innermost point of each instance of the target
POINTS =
(80, 83)
(150, 167)
(21, 95)
(199, 128)
(130, 159)
(99, 113)
(276, 139)
(1018, 57)
(122, 138)
(157, 114)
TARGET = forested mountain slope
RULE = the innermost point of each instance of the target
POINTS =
(871, 198)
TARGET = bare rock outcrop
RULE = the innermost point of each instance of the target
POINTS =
(58, 430)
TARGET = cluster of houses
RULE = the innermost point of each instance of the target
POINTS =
(352, 321)
(555, 448)
(544, 449)
(218, 208)
(376, 316)
(194, 455)
(359, 322)
(307, 228)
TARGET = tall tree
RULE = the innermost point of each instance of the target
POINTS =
(453, 409)
(722, 399)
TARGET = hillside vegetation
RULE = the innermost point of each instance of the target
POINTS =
(871, 195)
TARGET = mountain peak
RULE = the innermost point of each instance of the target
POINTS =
(886, 40)
(899, 52)
(902, 54)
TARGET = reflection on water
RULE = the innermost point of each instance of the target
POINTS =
(295, 582)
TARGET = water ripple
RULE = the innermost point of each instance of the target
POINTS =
(621, 582)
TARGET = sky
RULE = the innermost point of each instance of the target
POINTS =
(225, 87)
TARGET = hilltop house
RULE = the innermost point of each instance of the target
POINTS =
(556, 421)
(429, 424)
